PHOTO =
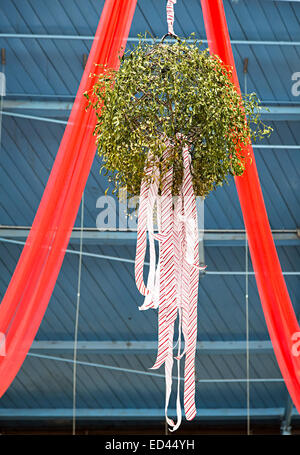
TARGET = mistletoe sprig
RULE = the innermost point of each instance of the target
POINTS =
(164, 89)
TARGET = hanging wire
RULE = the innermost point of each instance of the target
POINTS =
(131, 261)
(247, 336)
(247, 293)
(77, 318)
(147, 373)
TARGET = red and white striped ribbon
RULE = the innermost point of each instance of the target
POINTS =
(152, 290)
(167, 288)
(170, 16)
(142, 234)
(190, 278)
(173, 284)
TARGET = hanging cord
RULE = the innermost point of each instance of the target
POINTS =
(170, 22)
(246, 293)
(170, 17)
(247, 335)
(77, 317)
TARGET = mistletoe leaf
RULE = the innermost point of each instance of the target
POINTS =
(173, 88)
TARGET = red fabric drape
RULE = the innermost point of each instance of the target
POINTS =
(277, 307)
(31, 286)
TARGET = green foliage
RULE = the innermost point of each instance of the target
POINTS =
(165, 89)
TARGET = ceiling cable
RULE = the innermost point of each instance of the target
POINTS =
(245, 68)
(77, 316)
(131, 261)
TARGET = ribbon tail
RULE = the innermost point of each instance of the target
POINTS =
(178, 403)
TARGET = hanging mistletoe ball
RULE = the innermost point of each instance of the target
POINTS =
(163, 89)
